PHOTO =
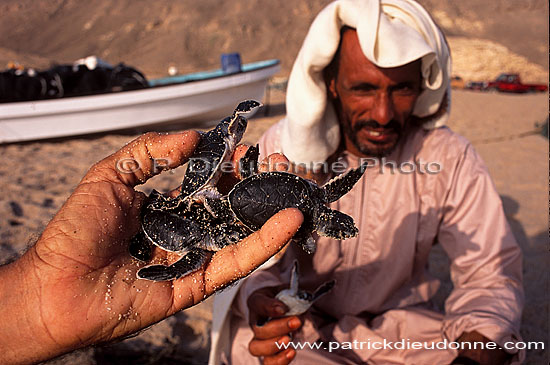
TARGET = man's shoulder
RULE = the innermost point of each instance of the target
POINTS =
(443, 142)
(451, 150)
(448, 136)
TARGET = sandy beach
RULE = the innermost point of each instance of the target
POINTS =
(37, 177)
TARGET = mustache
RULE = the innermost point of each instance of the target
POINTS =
(392, 124)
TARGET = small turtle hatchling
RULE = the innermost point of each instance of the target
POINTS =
(259, 196)
(299, 301)
(187, 224)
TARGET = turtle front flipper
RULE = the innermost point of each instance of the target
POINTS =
(192, 261)
(335, 224)
(294, 278)
(248, 164)
(158, 201)
(322, 290)
(340, 185)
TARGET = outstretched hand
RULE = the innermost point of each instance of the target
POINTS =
(77, 285)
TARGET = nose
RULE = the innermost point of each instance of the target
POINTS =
(383, 109)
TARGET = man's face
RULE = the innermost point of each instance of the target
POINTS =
(373, 103)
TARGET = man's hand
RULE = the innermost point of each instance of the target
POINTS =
(77, 286)
(262, 305)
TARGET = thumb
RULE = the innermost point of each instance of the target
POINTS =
(144, 157)
(263, 304)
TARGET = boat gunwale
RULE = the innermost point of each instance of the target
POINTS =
(25, 109)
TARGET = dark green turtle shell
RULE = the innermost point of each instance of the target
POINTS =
(257, 198)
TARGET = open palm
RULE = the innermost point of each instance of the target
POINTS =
(79, 279)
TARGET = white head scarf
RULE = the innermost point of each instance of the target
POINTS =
(391, 33)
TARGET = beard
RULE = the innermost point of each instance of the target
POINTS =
(368, 147)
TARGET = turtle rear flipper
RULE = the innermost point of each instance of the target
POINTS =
(306, 242)
(340, 185)
(192, 261)
(335, 224)
(219, 208)
(220, 235)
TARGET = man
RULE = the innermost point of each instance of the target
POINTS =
(377, 88)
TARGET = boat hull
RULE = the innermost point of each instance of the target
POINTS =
(186, 103)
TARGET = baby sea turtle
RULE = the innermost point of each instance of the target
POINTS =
(215, 148)
(201, 220)
(187, 224)
(258, 197)
(299, 301)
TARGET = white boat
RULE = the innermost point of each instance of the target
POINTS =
(191, 98)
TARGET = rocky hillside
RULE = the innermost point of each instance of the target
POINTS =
(490, 37)
(487, 37)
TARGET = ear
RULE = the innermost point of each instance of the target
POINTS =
(331, 88)
(330, 81)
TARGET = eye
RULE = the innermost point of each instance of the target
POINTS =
(405, 89)
(363, 89)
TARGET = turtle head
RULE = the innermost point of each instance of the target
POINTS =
(246, 106)
(236, 124)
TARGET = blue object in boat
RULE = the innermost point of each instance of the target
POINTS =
(231, 63)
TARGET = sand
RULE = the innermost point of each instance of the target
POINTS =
(37, 177)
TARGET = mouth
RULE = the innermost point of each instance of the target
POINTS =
(370, 138)
(380, 135)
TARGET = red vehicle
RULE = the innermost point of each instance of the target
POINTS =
(512, 83)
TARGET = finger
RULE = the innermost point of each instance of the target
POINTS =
(277, 327)
(282, 358)
(145, 156)
(239, 153)
(262, 305)
(236, 261)
(230, 178)
(274, 162)
(268, 347)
